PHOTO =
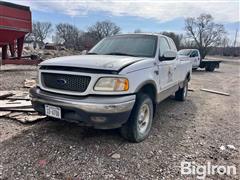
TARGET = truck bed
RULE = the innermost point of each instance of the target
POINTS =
(210, 64)
(211, 60)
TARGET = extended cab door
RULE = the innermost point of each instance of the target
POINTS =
(167, 68)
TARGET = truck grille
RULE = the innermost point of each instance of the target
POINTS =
(65, 81)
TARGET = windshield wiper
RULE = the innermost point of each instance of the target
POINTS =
(120, 54)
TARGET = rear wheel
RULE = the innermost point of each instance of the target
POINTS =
(181, 94)
(210, 68)
(139, 124)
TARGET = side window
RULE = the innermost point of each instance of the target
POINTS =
(197, 52)
(194, 54)
(172, 44)
(164, 46)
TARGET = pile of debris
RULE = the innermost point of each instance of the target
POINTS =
(49, 53)
(17, 105)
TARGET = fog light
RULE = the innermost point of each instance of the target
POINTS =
(98, 119)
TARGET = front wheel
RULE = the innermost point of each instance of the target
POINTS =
(139, 124)
(181, 94)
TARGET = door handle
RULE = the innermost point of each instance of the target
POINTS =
(156, 72)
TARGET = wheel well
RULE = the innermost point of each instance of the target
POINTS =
(150, 90)
(188, 77)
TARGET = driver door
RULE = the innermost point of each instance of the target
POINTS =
(167, 68)
(195, 59)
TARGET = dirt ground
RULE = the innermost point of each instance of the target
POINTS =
(191, 131)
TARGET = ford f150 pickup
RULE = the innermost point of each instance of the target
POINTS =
(117, 84)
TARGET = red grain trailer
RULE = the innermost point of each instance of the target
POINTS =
(15, 23)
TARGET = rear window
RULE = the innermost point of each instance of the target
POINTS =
(172, 45)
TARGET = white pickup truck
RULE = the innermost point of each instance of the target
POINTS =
(116, 85)
(193, 55)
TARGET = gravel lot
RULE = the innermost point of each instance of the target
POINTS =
(193, 131)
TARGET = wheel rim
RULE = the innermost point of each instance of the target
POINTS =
(143, 118)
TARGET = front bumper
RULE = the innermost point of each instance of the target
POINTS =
(103, 112)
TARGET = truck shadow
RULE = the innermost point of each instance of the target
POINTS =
(170, 115)
(202, 71)
(60, 143)
(170, 122)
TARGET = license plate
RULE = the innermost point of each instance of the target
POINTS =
(53, 111)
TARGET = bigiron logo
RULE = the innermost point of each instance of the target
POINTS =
(201, 171)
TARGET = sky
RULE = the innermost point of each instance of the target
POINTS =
(147, 15)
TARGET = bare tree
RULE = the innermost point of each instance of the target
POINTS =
(204, 32)
(225, 42)
(235, 39)
(177, 38)
(68, 34)
(87, 41)
(103, 29)
(29, 38)
(137, 31)
(40, 31)
(56, 39)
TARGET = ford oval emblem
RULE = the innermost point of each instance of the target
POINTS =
(61, 81)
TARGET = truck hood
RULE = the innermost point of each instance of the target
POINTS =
(106, 62)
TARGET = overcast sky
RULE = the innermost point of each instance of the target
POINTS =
(147, 15)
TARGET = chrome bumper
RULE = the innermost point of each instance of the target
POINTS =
(98, 104)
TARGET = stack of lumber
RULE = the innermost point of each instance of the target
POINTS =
(17, 105)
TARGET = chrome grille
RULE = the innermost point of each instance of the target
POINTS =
(66, 82)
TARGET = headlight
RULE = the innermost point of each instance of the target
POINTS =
(112, 84)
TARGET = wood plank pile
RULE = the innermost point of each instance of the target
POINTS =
(17, 105)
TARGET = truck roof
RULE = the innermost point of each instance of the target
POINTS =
(149, 34)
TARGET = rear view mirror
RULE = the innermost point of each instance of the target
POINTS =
(168, 55)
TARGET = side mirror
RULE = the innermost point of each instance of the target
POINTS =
(168, 56)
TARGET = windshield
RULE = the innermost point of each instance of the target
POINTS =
(127, 45)
(185, 52)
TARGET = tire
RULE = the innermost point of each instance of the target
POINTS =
(210, 68)
(181, 94)
(137, 129)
